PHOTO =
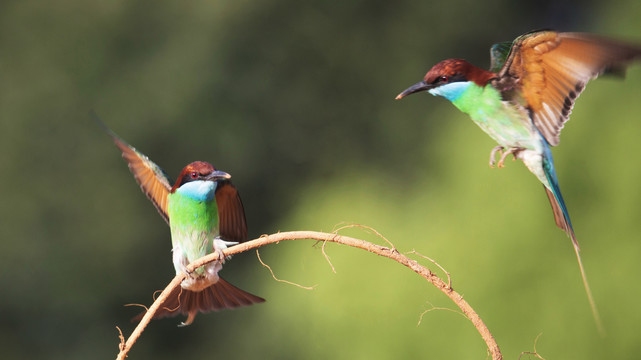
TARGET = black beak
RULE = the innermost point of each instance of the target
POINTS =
(418, 87)
(218, 175)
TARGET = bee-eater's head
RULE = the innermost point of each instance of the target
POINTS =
(448, 72)
(199, 171)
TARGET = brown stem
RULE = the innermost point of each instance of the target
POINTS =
(392, 253)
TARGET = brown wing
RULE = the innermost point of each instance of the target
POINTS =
(153, 181)
(551, 69)
(231, 215)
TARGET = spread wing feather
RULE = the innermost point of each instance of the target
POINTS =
(551, 70)
(152, 179)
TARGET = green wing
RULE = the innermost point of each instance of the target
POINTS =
(498, 55)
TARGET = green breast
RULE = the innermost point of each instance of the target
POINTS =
(187, 213)
(507, 122)
(194, 225)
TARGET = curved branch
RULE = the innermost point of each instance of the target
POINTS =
(392, 253)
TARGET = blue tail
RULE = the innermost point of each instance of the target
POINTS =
(562, 219)
(561, 215)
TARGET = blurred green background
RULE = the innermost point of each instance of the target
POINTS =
(296, 100)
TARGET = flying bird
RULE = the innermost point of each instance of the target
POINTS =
(526, 97)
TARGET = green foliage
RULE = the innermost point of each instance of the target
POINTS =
(295, 100)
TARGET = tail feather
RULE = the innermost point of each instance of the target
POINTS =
(219, 296)
(553, 191)
(560, 218)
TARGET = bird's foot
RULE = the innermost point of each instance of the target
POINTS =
(496, 149)
(220, 245)
(182, 267)
(513, 151)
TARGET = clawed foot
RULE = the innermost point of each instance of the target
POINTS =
(496, 149)
(504, 155)
(513, 151)
(220, 245)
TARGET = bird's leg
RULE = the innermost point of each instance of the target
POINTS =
(513, 151)
(180, 261)
(496, 149)
(220, 245)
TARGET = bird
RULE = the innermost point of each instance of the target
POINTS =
(526, 97)
(205, 215)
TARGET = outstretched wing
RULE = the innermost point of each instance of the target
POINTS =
(231, 215)
(551, 70)
(152, 179)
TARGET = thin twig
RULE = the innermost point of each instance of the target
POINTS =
(420, 319)
(327, 257)
(493, 347)
(121, 346)
(281, 280)
(535, 353)
(449, 279)
(369, 228)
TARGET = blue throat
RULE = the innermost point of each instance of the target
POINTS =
(451, 91)
(199, 190)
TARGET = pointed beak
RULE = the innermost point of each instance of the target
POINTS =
(418, 87)
(218, 175)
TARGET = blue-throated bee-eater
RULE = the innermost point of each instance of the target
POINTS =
(526, 97)
(205, 214)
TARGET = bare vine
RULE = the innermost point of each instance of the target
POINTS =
(387, 252)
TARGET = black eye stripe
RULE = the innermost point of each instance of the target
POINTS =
(446, 79)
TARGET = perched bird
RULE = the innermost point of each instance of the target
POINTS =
(205, 215)
(526, 97)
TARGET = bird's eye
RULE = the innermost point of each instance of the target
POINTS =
(194, 175)
(443, 78)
